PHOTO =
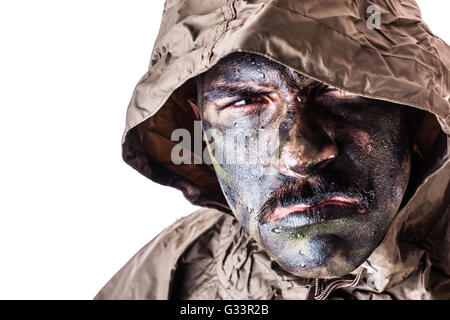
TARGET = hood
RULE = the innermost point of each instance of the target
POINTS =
(328, 40)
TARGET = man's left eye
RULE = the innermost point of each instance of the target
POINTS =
(335, 93)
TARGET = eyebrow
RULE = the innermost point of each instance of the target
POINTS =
(242, 90)
(233, 90)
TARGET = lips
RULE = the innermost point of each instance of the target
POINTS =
(338, 206)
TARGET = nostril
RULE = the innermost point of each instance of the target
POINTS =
(328, 155)
(300, 164)
(325, 162)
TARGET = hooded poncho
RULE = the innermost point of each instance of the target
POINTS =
(208, 255)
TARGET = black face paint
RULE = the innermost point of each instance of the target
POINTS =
(325, 201)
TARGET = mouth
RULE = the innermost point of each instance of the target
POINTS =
(301, 214)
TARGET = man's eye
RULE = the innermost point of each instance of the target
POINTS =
(249, 103)
(254, 105)
(336, 93)
(241, 103)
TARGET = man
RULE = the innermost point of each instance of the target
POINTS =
(342, 191)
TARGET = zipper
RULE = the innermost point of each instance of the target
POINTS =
(322, 291)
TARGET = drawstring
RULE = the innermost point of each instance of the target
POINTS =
(321, 293)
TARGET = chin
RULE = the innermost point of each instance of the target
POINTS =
(335, 267)
(318, 255)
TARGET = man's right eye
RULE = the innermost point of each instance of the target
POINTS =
(244, 102)
(248, 105)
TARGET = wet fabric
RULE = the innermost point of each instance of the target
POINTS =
(207, 255)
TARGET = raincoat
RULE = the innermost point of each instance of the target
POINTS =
(208, 255)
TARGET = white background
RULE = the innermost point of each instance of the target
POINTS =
(71, 211)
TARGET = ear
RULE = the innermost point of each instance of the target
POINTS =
(194, 108)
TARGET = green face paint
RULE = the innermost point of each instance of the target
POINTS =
(219, 170)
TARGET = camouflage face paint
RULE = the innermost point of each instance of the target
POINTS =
(325, 202)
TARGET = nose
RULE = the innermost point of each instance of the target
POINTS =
(306, 148)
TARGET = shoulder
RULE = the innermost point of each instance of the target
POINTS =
(148, 274)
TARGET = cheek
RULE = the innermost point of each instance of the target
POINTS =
(243, 198)
(397, 173)
(380, 151)
(389, 161)
(363, 140)
(355, 137)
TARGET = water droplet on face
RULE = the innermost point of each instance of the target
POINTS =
(276, 230)
(301, 252)
(235, 124)
(301, 99)
(299, 236)
(303, 265)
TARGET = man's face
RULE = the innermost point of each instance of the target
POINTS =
(331, 167)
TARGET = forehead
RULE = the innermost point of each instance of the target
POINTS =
(247, 67)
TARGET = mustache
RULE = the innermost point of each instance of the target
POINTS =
(294, 191)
